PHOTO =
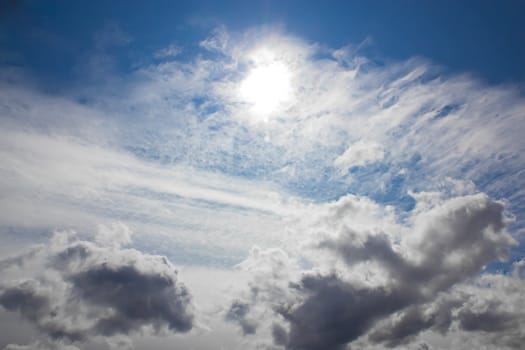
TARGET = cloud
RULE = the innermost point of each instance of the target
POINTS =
(80, 184)
(334, 313)
(270, 271)
(237, 313)
(188, 112)
(218, 41)
(359, 154)
(389, 287)
(71, 290)
(494, 308)
(405, 125)
(169, 51)
(406, 325)
(488, 320)
(447, 244)
(114, 235)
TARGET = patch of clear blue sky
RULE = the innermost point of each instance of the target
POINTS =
(486, 38)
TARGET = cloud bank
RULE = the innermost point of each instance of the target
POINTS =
(388, 287)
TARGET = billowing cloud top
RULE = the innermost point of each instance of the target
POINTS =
(87, 290)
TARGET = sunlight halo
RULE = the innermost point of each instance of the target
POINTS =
(266, 87)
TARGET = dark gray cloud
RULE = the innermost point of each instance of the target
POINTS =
(415, 319)
(335, 312)
(495, 308)
(35, 303)
(454, 242)
(137, 298)
(440, 249)
(238, 313)
(279, 335)
(488, 320)
(86, 290)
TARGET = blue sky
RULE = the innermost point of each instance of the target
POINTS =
(320, 176)
(468, 36)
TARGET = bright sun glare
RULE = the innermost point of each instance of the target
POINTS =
(266, 87)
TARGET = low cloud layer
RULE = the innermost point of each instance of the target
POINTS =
(72, 290)
(389, 287)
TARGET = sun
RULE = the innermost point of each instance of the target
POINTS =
(267, 86)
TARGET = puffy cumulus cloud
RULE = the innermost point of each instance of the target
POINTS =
(386, 288)
(486, 313)
(332, 312)
(518, 269)
(254, 309)
(115, 235)
(440, 248)
(494, 307)
(237, 313)
(404, 326)
(72, 290)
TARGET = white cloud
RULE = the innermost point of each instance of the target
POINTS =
(217, 41)
(169, 51)
(358, 154)
(114, 235)
(51, 181)
(446, 126)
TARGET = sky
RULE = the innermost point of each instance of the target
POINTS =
(262, 175)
